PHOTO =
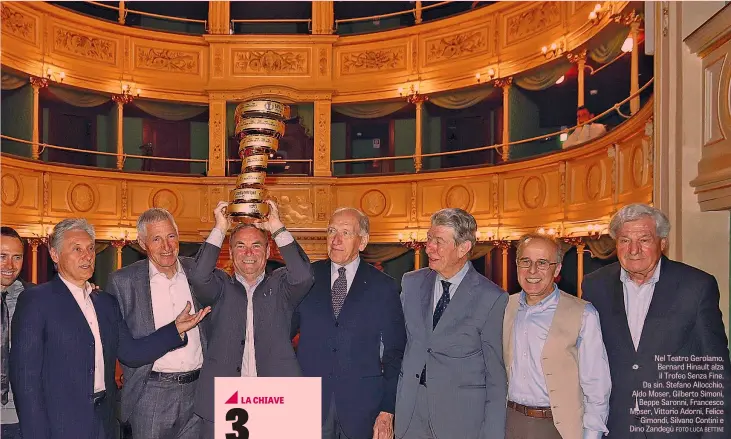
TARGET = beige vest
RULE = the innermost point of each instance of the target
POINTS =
(560, 361)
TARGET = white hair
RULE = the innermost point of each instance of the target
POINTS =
(153, 215)
(363, 221)
(634, 212)
(55, 240)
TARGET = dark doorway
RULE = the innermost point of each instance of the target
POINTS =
(75, 131)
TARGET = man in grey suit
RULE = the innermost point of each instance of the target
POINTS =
(453, 382)
(157, 399)
(248, 343)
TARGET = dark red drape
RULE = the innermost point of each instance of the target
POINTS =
(168, 139)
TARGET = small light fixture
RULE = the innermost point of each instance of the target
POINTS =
(560, 80)
(52, 76)
(552, 51)
(564, 136)
(628, 45)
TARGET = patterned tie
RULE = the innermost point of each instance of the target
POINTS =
(5, 379)
(438, 311)
(442, 304)
(340, 290)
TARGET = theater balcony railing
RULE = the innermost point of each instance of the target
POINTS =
(570, 191)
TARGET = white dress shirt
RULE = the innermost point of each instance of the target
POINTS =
(454, 282)
(584, 133)
(350, 269)
(248, 362)
(637, 299)
(81, 295)
(527, 384)
(169, 297)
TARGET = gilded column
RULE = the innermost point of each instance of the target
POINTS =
(580, 246)
(37, 84)
(417, 13)
(120, 100)
(505, 84)
(34, 243)
(419, 135)
(580, 60)
(118, 246)
(217, 140)
(504, 246)
(634, 103)
(323, 17)
(219, 17)
(417, 258)
(122, 13)
(321, 158)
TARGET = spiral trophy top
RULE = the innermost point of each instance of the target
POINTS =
(259, 126)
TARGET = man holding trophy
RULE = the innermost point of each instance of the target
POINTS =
(245, 342)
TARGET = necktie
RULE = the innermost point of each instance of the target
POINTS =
(340, 290)
(5, 379)
(438, 311)
(442, 304)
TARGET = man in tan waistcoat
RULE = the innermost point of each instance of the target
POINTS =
(558, 373)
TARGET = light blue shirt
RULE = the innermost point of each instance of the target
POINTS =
(527, 384)
(454, 284)
(637, 299)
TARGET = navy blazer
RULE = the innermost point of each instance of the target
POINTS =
(684, 319)
(345, 351)
(52, 360)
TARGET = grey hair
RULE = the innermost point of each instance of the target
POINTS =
(55, 240)
(153, 215)
(463, 224)
(364, 224)
(526, 239)
(241, 226)
(637, 211)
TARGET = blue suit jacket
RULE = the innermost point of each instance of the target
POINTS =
(684, 319)
(345, 351)
(52, 360)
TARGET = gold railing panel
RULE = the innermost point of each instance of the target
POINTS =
(566, 191)
(443, 55)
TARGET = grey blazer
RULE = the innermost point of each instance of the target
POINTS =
(131, 287)
(466, 382)
(275, 299)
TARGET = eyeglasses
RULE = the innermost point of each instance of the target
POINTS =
(541, 264)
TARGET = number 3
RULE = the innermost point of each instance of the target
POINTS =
(238, 418)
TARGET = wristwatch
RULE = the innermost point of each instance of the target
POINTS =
(278, 231)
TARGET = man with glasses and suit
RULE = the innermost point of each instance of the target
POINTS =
(558, 372)
(453, 383)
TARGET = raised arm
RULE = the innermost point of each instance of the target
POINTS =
(208, 281)
(298, 277)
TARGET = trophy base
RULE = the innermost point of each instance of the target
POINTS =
(248, 212)
(245, 219)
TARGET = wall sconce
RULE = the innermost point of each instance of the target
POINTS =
(413, 96)
(490, 73)
(595, 230)
(596, 15)
(413, 243)
(628, 45)
(487, 237)
(54, 76)
(550, 232)
(126, 95)
(553, 51)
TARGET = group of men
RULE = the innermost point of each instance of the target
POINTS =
(451, 356)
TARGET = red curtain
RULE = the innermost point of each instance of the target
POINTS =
(168, 139)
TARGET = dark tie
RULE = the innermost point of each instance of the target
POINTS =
(340, 290)
(5, 379)
(438, 311)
